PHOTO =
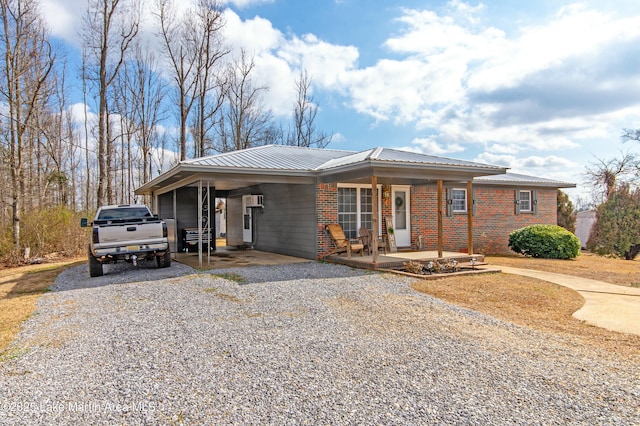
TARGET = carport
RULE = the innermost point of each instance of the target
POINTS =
(186, 195)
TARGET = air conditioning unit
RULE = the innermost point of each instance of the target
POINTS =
(254, 200)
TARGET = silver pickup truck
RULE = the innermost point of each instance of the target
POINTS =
(129, 233)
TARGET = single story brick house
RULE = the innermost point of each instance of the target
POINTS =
(279, 199)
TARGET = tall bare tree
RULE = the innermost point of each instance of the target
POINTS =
(210, 93)
(27, 61)
(147, 91)
(245, 121)
(110, 27)
(304, 132)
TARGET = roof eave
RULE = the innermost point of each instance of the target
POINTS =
(525, 183)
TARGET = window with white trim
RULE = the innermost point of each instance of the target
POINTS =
(355, 209)
(526, 201)
(459, 198)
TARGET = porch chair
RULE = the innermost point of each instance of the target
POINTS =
(341, 242)
(367, 239)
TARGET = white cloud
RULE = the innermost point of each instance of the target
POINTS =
(246, 3)
(573, 32)
(551, 166)
(432, 147)
(257, 36)
(63, 17)
(328, 64)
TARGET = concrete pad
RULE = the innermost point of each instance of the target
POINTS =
(230, 258)
(609, 306)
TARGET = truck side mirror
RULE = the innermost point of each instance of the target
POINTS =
(83, 222)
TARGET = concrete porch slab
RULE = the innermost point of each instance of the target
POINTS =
(396, 260)
(228, 257)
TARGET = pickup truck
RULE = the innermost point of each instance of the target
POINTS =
(126, 232)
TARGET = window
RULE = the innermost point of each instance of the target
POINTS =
(355, 208)
(525, 201)
(348, 211)
(459, 197)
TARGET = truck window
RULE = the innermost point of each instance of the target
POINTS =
(127, 213)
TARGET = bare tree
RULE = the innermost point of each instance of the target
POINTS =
(110, 26)
(210, 93)
(182, 54)
(604, 175)
(27, 62)
(147, 91)
(245, 121)
(630, 135)
(304, 132)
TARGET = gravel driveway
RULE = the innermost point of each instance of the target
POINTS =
(302, 343)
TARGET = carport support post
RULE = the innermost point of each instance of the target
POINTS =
(440, 233)
(175, 224)
(469, 218)
(200, 223)
(374, 218)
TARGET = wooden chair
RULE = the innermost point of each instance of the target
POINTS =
(366, 236)
(341, 242)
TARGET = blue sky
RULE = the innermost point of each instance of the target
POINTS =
(543, 87)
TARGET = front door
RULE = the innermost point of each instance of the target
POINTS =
(401, 215)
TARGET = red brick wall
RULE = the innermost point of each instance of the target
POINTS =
(495, 217)
(327, 210)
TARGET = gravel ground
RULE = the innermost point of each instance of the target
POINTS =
(292, 344)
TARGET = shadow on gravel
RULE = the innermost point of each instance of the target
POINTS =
(290, 272)
(119, 273)
(122, 273)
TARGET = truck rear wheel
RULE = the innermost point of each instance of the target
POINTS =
(95, 267)
(164, 261)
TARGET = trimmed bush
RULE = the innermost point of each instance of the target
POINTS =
(545, 241)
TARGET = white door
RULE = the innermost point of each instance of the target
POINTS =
(401, 215)
(247, 221)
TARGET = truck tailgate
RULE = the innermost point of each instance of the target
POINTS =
(134, 232)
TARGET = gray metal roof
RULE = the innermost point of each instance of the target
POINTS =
(282, 157)
(280, 163)
(274, 157)
(519, 179)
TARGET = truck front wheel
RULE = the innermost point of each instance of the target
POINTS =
(164, 261)
(95, 267)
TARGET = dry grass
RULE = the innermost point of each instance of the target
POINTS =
(587, 265)
(541, 305)
(19, 290)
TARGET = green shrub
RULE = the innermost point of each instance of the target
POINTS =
(546, 241)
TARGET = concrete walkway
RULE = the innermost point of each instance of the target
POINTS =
(609, 306)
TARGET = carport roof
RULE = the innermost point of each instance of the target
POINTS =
(280, 163)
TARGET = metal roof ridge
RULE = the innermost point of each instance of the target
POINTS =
(376, 153)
